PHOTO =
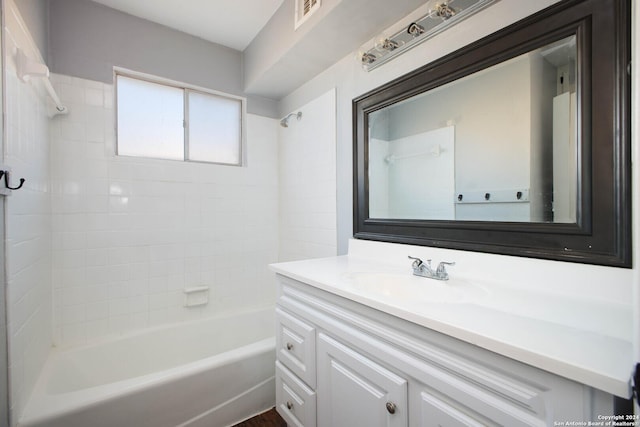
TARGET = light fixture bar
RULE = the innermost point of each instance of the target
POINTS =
(441, 16)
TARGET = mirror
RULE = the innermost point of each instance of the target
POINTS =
(506, 145)
(449, 154)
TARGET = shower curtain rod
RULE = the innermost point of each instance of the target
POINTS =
(54, 96)
(27, 68)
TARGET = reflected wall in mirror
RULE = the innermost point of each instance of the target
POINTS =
(516, 144)
(496, 145)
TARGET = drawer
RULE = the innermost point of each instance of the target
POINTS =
(295, 402)
(433, 409)
(296, 346)
(435, 412)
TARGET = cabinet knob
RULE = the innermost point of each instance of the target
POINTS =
(391, 407)
(289, 346)
(289, 405)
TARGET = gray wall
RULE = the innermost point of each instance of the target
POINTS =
(280, 58)
(87, 39)
(36, 15)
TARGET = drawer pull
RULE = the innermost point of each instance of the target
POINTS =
(289, 346)
(391, 407)
(289, 405)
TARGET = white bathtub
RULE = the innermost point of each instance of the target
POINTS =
(214, 372)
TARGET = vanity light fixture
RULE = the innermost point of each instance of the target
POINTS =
(441, 15)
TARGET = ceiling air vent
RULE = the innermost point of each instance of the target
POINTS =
(304, 9)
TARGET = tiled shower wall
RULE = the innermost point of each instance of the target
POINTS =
(28, 220)
(307, 170)
(129, 234)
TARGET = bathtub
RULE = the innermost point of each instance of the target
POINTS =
(214, 372)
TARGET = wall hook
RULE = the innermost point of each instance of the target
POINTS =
(6, 181)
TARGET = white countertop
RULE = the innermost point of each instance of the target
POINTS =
(584, 340)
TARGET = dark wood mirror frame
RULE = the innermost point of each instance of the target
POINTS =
(602, 233)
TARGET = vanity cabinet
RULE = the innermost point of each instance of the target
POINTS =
(342, 364)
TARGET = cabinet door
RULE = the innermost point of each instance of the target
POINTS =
(355, 391)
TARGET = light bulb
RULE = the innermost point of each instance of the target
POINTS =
(365, 57)
(441, 9)
(415, 29)
(385, 43)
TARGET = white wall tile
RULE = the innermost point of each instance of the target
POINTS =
(147, 228)
(94, 97)
(73, 314)
(97, 310)
(307, 179)
(28, 224)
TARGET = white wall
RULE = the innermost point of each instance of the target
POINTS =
(130, 233)
(28, 220)
(307, 172)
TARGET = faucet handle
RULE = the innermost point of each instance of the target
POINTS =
(441, 270)
(417, 262)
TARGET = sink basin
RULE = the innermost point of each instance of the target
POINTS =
(410, 288)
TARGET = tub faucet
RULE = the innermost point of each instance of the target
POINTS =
(423, 269)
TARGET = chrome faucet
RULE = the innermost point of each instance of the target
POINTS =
(423, 269)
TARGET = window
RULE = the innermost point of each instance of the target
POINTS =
(168, 121)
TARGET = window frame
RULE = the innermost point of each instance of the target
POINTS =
(186, 89)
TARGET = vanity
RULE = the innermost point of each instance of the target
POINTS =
(362, 341)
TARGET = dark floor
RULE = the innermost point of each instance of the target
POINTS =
(266, 419)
